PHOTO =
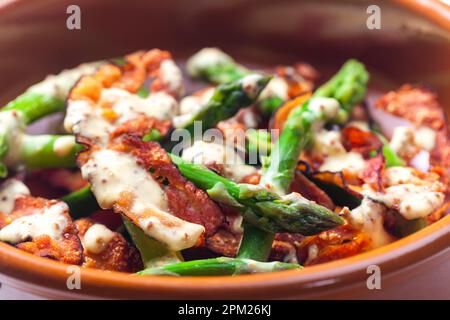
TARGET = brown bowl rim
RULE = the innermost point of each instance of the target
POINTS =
(400, 254)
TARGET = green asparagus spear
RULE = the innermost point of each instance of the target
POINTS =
(36, 151)
(226, 101)
(348, 87)
(49, 95)
(215, 66)
(263, 209)
(46, 97)
(392, 159)
(82, 203)
(219, 267)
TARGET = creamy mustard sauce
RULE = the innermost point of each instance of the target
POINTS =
(407, 141)
(277, 87)
(172, 77)
(97, 238)
(64, 145)
(48, 221)
(327, 108)
(205, 58)
(368, 218)
(250, 85)
(96, 122)
(402, 142)
(112, 174)
(202, 152)
(10, 190)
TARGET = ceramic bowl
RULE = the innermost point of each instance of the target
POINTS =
(413, 45)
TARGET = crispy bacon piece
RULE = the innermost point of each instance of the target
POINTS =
(360, 141)
(131, 76)
(421, 106)
(184, 199)
(68, 249)
(118, 254)
(142, 126)
(224, 243)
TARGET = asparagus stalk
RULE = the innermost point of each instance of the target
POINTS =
(81, 202)
(213, 65)
(259, 207)
(42, 99)
(227, 100)
(219, 267)
(348, 87)
(49, 95)
(36, 151)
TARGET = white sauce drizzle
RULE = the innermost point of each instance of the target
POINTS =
(171, 76)
(47, 221)
(205, 58)
(277, 87)
(402, 142)
(368, 217)
(97, 238)
(63, 145)
(87, 119)
(250, 85)
(112, 173)
(412, 201)
(425, 138)
(13, 129)
(351, 161)
(328, 145)
(10, 190)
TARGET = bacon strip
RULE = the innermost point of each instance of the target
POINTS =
(118, 254)
(67, 249)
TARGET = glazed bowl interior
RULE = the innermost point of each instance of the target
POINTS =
(413, 45)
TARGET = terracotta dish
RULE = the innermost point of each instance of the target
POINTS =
(412, 45)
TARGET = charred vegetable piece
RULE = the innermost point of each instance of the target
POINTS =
(260, 207)
(404, 227)
(348, 87)
(219, 267)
